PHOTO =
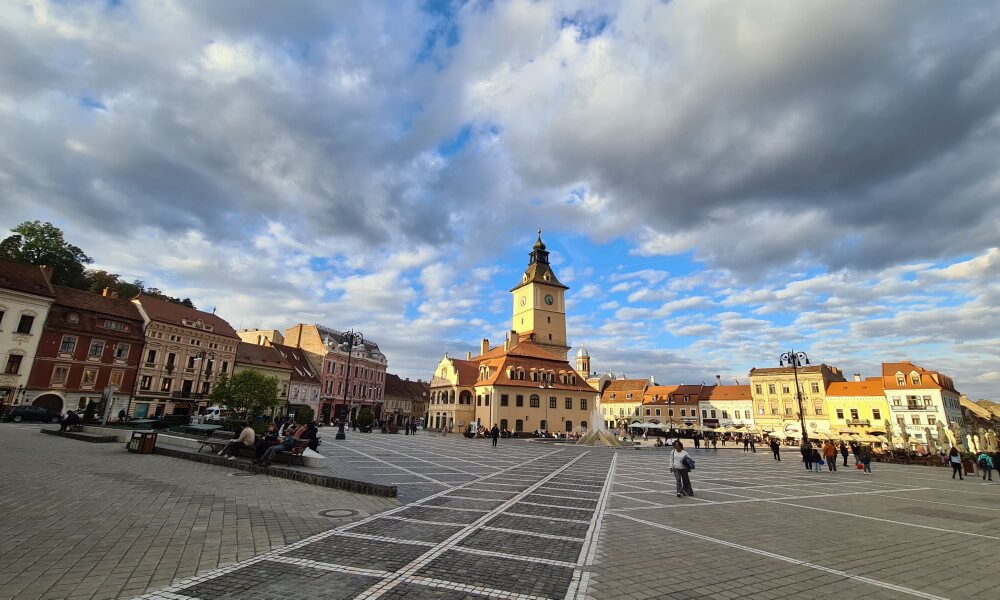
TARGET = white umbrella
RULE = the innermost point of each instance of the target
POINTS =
(931, 446)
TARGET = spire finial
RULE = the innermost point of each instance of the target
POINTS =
(539, 232)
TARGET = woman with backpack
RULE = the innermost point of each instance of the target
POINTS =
(985, 465)
(680, 465)
(955, 458)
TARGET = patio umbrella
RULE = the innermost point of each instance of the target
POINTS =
(931, 446)
(888, 432)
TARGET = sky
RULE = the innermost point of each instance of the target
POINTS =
(718, 182)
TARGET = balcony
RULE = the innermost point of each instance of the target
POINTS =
(859, 422)
(929, 407)
(187, 395)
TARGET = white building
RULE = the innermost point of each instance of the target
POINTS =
(25, 298)
(919, 398)
(727, 406)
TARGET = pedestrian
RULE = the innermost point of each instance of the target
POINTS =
(746, 445)
(697, 441)
(776, 449)
(865, 455)
(681, 465)
(830, 456)
(817, 460)
(122, 416)
(715, 442)
(856, 450)
(843, 451)
(70, 420)
(245, 439)
(753, 444)
(806, 450)
(956, 462)
(985, 465)
(495, 434)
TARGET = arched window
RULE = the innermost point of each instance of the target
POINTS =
(915, 377)
(569, 426)
(534, 375)
(583, 424)
(503, 423)
(900, 379)
(510, 372)
(519, 425)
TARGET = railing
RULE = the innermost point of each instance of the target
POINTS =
(864, 422)
(187, 395)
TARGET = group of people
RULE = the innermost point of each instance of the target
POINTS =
(984, 460)
(280, 436)
(815, 456)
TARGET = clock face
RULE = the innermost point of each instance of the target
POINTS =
(524, 300)
(549, 299)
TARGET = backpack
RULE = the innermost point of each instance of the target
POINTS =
(688, 463)
(982, 462)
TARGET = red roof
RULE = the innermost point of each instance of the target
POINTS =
(28, 279)
(178, 314)
(260, 356)
(302, 369)
(724, 393)
(928, 379)
(104, 305)
(868, 387)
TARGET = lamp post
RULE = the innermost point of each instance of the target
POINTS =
(200, 359)
(796, 360)
(354, 338)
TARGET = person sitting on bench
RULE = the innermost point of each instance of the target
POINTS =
(270, 438)
(286, 445)
(247, 437)
(71, 420)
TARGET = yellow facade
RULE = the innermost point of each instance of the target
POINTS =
(776, 407)
(857, 406)
(539, 304)
(450, 406)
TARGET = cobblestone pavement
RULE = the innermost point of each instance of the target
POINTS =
(91, 521)
(531, 520)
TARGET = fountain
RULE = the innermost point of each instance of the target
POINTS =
(597, 434)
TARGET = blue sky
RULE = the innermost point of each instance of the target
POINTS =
(718, 182)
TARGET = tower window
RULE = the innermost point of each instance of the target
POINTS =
(549, 319)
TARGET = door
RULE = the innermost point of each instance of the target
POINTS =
(141, 410)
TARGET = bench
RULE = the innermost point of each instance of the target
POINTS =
(217, 440)
(75, 427)
(296, 451)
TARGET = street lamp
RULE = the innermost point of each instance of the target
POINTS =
(796, 360)
(354, 338)
(200, 359)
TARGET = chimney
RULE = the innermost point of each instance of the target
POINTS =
(104, 292)
(736, 380)
(468, 356)
(718, 380)
(484, 347)
(857, 377)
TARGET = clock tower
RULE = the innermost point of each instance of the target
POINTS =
(540, 303)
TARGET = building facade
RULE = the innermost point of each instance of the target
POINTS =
(353, 374)
(776, 409)
(25, 298)
(727, 406)
(89, 353)
(621, 400)
(919, 398)
(525, 384)
(268, 361)
(405, 400)
(304, 385)
(185, 353)
(857, 406)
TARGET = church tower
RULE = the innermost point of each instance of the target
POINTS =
(583, 362)
(540, 303)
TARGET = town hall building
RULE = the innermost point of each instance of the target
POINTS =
(526, 383)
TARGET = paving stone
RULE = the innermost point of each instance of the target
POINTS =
(265, 580)
(524, 545)
(536, 579)
(357, 552)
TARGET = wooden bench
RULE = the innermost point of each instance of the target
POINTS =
(217, 440)
(296, 451)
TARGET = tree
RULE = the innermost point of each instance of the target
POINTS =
(303, 413)
(40, 243)
(97, 281)
(365, 419)
(247, 394)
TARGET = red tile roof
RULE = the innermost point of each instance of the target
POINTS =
(724, 393)
(928, 379)
(178, 314)
(302, 369)
(868, 387)
(29, 279)
(104, 305)
(260, 356)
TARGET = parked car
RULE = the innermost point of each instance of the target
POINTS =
(30, 413)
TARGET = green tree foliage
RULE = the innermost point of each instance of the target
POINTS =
(247, 394)
(303, 413)
(38, 243)
(365, 418)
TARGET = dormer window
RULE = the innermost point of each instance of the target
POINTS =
(73, 318)
(114, 325)
(915, 378)
(900, 379)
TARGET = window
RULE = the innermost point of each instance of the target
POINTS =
(758, 389)
(683, 413)
(117, 376)
(13, 364)
(552, 401)
(901, 421)
(818, 408)
(915, 378)
(503, 423)
(114, 325)
(770, 388)
(1, 317)
(519, 400)
(900, 380)
(840, 414)
(916, 419)
(225, 367)
(815, 387)
(191, 361)
(647, 412)
(931, 420)
(774, 409)
(760, 410)
(788, 411)
(670, 412)
(784, 388)
(504, 401)
(897, 401)
(24, 324)
(146, 382)
(876, 414)
(854, 414)
(96, 349)
(479, 400)
(927, 401)
(569, 403)
(725, 414)
(533, 401)
(165, 384)
(121, 351)
(60, 374)
(518, 425)
(89, 376)
(68, 344)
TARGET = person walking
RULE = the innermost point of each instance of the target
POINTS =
(697, 441)
(856, 451)
(830, 456)
(753, 444)
(715, 442)
(807, 455)
(776, 449)
(985, 465)
(865, 456)
(955, 458)
(681, 465)
(844, 452)
(746, 445)
(495, 434)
